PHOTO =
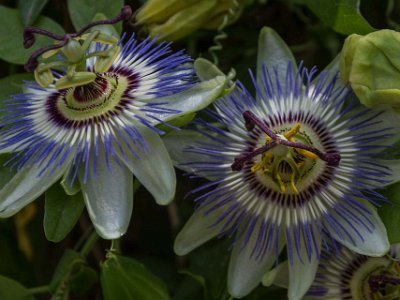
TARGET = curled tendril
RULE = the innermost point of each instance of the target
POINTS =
(221, 34)
(29, 36)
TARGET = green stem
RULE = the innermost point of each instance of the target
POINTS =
(83, 238)
(87, 247)
(39, 290)
(191, 46)
(115, 246)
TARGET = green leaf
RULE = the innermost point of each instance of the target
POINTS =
(200, 280)
(83, 12)
(12, 290)
(11, 35)
(12, 85)
(211, 261)
(343, 16)
(125, 278)
(390, 213)
(30, 10)
(83, 280)
(61, 212)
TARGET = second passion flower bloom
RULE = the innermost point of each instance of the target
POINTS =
(345, 274)
(96, 124)
(293, 168)
(348, 275)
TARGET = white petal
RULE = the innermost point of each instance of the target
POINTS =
(246, 271)
(374, 243)
(26, 186)
(108, 196)
(394, 166)
(273, 53)
(198, 230)
(302, 273)
(154, 168)
(193, 99)
(7, 149)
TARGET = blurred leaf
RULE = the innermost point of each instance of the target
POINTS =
(271, 292)
(70, 262)
(30, 10)
(200, 280)
(83, 280)
(11, 35)
(343, 16)
(12, 290)
(125, 278)
(390, 213)
(61, 212)
(83, 12)
(211, 262)
(12, 85)
(191, 289)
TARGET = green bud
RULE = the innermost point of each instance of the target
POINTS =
(175, 19)
(73, 51)
(371, 64)
(43, 75)
(78, 78)
(183, 22)
(159, 11)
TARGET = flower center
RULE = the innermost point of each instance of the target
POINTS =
(285, 164)
(285, 157)
(384, 283)
(99, 98)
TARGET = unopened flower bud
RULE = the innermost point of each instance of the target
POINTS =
(159, 11)
(174, 19)
(371, 64)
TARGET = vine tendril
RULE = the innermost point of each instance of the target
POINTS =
(221, 34)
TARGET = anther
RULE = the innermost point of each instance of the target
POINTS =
(240, 160)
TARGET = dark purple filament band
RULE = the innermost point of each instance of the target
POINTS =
(251, 120)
